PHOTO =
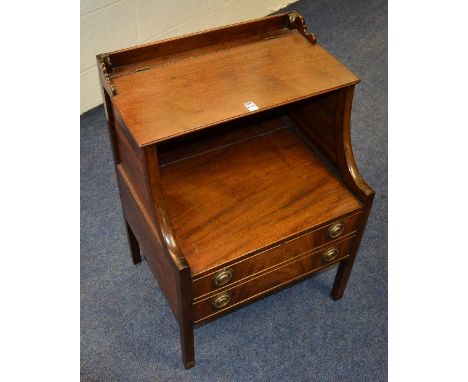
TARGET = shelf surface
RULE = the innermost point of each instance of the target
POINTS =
(203, 90)
(231, 201)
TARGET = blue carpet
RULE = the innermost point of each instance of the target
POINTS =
(128, 332)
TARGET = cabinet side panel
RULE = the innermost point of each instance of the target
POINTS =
(317, 121)
(131, 159)
(140, 222)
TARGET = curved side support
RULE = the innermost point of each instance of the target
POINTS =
(324, 122)
(353, 179)
(159, 210)
(345, 157)
(169, 243)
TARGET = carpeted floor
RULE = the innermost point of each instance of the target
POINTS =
(128, 332)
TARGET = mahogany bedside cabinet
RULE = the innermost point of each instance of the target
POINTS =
(234, 163)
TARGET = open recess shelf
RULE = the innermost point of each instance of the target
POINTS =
(231, 194)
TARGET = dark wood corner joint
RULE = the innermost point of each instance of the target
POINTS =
(234, 164)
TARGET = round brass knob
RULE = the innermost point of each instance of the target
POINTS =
(223, 277)
(330, 254)
(221, 300)
(336, 230)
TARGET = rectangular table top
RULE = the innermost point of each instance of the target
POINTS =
(198, 91)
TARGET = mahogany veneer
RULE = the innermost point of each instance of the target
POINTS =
(245, 196)
(230, 201)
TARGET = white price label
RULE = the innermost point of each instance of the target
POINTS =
(251, 106)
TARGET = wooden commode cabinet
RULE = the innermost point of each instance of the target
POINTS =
(234, 163)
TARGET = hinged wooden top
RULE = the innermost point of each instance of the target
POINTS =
(162, 92)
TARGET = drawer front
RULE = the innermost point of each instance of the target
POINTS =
(266, 282)
(272, 257)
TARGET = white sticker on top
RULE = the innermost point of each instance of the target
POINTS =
(251, 106)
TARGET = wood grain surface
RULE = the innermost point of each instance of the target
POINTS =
(241, 198)
(252, 265)
(190, 94)
(270, 281)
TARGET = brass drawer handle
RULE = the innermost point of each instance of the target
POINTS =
(330, 254)
(221, 300)
(223, 277)
(336, 230)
